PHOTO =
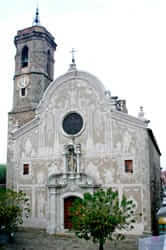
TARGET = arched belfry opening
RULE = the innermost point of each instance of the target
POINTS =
(48, 63)
(24, 57)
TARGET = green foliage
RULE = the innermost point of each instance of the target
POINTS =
(2, 174)
(97, 216)
(12, 207)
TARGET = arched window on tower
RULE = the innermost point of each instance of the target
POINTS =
(48, 63)
(24, 57)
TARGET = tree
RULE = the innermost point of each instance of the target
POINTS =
(13, 207)
(2, 174)
(100, 215)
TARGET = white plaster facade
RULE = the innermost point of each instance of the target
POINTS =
(108, 137)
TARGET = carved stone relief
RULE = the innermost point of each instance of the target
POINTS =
(41, 201)
(42, 134)
(124, 138)
(74, 93)
(28, 146)
(92, 170)
(135, 194)
(54, 168)
(41, 177)
(98, 124)
(127, 140)
(49, 129)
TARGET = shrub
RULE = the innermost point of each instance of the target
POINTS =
(13, 207)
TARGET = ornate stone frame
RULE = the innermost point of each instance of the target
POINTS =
(61, 186)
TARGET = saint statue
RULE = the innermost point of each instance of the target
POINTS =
(72, 159)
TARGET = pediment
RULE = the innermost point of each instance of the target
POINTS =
(73, 89)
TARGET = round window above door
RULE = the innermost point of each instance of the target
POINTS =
(72, 124)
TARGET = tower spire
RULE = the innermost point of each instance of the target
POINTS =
(36, 20)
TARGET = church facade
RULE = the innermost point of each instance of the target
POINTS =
(70, 136)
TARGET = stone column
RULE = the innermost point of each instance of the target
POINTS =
(51, 228)
(78, 153)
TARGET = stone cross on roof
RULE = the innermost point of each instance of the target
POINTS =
(73, 64)
(73, 51)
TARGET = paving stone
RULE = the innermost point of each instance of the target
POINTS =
(39, 240)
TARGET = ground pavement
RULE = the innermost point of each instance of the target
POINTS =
(39, 240)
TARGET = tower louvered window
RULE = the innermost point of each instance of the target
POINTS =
(24, 57)
(48, 63)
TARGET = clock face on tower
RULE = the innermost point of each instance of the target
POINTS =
(23, 81)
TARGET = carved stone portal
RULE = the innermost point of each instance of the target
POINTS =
(61, 187)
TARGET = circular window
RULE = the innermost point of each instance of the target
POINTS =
(72, 123)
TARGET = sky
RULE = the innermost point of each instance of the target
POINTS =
(121, 42)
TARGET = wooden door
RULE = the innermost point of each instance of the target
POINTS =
(67, 205)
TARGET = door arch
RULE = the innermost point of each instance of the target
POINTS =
(68, 201)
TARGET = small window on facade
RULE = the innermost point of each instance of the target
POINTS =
(25, 169)
(128, 166)
(23, 91)
(24, 57)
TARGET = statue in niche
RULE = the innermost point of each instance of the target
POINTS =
(71, 159)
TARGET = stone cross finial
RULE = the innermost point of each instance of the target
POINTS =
(73, 55)
(73, 64)
(141, 113)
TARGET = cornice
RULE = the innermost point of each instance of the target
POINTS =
(128, 119)
(17, 132)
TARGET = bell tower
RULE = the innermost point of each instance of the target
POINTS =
(34, 68)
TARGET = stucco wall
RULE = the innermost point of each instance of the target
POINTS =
(107, 139)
